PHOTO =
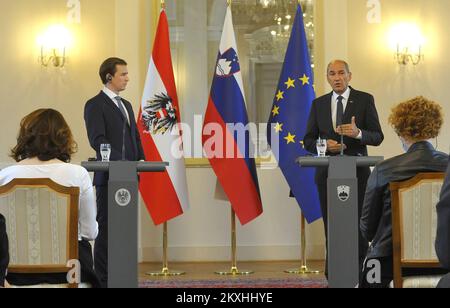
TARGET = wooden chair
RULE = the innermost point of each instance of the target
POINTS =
(42, 226)
(414, 227)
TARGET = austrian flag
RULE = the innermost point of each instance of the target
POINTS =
(165, 194)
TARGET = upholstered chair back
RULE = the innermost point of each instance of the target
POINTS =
(42, 225)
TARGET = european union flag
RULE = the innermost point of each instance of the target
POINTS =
(289, 116)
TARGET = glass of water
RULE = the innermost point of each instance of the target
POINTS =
(321, 145)
(105, 151)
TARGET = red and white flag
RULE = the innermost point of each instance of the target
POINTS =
(165, 194)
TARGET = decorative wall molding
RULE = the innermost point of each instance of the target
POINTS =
(74, 11)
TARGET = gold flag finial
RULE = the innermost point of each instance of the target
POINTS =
(163, 4)
(229, 3)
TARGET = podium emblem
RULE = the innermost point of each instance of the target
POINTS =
(343, 193)
(123, 197)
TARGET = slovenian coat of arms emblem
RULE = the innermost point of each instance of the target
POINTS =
(343, 193)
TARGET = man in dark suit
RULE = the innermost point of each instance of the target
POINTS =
(443, 230)
(110, 120)
(348, 112)
(4, 251)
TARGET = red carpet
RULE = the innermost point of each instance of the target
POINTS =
(271, 283)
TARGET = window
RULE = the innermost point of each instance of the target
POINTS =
(262, 30)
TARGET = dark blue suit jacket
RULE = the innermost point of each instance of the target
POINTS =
(320, 124)
(4, 253)
(443, 224)
(443, 230)
(104, 124)
(360, 105)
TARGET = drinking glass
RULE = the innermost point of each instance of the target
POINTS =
(321, 145)
(105, 151)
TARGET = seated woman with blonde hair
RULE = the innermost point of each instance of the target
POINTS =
(44, 149)
(415, 121)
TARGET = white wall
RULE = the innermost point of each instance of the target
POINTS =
(349, 35)
(203, 233)
(376, 71)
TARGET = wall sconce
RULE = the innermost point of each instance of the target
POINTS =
(407, 41)
(53, 46)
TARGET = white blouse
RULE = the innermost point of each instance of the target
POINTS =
(67, 175)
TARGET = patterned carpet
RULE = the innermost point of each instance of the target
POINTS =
(298, 283)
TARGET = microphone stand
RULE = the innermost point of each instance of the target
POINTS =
(123, 138)
(342, 139)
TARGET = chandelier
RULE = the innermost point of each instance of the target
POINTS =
(267, 3)
(273, 21)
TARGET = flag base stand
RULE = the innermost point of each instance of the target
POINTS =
(234, 270)
(165, 272)
(304, 270)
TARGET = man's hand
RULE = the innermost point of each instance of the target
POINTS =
(334, 146)
(349, 130)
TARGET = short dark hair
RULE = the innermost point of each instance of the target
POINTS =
(44, 134)
(109, 67)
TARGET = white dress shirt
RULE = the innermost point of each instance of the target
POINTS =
(67, 175)
(113, 96)
(334, 101)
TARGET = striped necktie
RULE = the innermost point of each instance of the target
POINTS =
(122, 109)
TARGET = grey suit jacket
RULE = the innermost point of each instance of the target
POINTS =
(376, 217)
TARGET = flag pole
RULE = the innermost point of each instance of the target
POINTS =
(165, 271)
(304, 268)
(234, 269)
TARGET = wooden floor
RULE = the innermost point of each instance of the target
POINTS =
(268, 269)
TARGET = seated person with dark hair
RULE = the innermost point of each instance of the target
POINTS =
(443, 230)
(44, 148)
(4, 254)
(415, 121)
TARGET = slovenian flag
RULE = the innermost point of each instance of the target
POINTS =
(228, 151)
(165, 194)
